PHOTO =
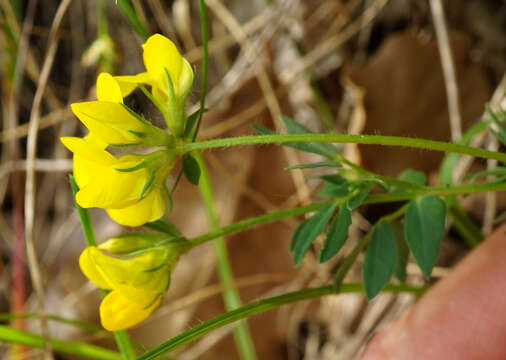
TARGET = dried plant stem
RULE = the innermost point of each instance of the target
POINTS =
(267, 89)
(452, 91)
(30, 173)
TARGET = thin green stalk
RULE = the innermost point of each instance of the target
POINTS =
(129, 12)
(255, 221)
(342, 138)
(261, 306)
(102, 25)
(464, 225)
(90, 328)
(80, 349)
(371, 199)
(121, 337)
(231, 297)
(205, 60)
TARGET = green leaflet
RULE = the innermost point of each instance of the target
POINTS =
(308, 230)
(380, 259)
(413, 177)
(337, 234)
(293, 127)
(402, 252)
(164, 226)
(315, 165)
(357, 200)
(191, 169)
(424, 229)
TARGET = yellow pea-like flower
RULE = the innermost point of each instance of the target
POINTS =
(112, 122)
(131, 196)
(168, 73)
(137, 284)
(160, 55)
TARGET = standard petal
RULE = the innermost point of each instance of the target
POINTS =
(128, 83)
(159, 54)
(108, 88)
(150, 208)
(90, 270)
(109, 121)
(118, 312)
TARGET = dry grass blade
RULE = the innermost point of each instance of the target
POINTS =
(447, 63)
(30, 169)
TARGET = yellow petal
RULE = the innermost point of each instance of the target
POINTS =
(109, 121)
(84, 169)
(88, 150)
(159, 54)
(132, 277)
(109, 188)
(185, 78)
(118, 313)
(108, 89)
(90, 270)
(128, 83)
(92, 139)
(150, 208)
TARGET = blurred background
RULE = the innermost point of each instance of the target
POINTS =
(355, 66)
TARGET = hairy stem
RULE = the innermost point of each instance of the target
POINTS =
(342, 138)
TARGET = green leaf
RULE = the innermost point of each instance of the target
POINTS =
(164, 226)
(294, 127)
(147, 184)
(315, 165)
(337, 234)
(402, 252)
(380, 259)
(499, 170)
(500, 131)
(190, 123)
(334, 179)
(333, 190)
(139, 166)
(357, 200)
(191, 169)
(308, 230)
(424, 229)
(451, 159)
(413, 177)
(323, 149)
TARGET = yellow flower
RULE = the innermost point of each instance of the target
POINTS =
(112, 122)
(137, 283)
(169, 75)
(130, 188)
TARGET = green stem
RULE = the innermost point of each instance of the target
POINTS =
(261, 306)
(121, 337)
(464, 225)
(128, 11)
(102, 26)
(231, 297)
(205, 60)
(342, 138)
(371, 199)
(88, 327)
(79, 349)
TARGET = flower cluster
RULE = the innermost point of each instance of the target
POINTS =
(131, 188)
